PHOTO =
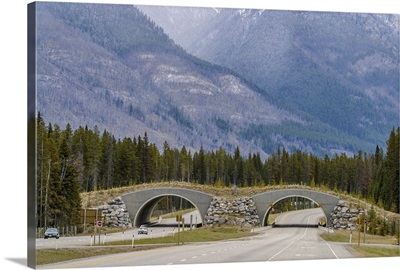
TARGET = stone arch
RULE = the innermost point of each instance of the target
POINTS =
(140, 204)
(265, 201)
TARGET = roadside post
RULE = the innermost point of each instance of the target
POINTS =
(351, 234)
(183, 228)
(99, 224)
(133, 240)
(398, 232)
(104, 239)
(94, 233)
(178, 233)
(178, 219)
(365, 227)
(359, 230)
(84, 220)
(91, 240)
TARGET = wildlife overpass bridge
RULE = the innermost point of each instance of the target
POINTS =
(140, 204)
(265, 201)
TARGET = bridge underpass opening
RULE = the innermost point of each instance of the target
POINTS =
(265, 201)
(142, 203)
(275, 212)
(168, 207)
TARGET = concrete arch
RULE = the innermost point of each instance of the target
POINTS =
(140, 204)
(266, 200)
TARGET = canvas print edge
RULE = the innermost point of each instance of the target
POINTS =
(31, 113)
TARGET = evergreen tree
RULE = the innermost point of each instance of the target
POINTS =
(155, 163)
(69, 184)
(392, 169)
(41, 161)
(200, 167)
(184, 165)
(106, 161)
(146, 160)
(167, 163)
(54, 201)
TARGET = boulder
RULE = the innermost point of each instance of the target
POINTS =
(353, 210)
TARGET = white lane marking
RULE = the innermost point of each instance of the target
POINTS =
(304, 234)
(331, 250)
(281, 250)
(305, 231)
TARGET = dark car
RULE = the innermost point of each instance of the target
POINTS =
(51, 232)
(142, 230)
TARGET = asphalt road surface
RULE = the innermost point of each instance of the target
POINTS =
(79, 241)
(164, 228)
(312, 217)
(270, 244)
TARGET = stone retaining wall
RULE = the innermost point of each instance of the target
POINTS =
(115, 214)
(241, 211)
(345, 217)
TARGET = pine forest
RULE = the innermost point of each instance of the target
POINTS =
(73, 161)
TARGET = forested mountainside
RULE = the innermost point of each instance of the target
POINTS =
(71, 161)
(338, 68)
(112, 67)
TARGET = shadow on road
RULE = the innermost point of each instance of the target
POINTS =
(294, 225)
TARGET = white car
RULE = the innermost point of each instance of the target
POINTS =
(142, 230)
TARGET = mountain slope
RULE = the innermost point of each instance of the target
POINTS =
(134, 79)
(110, 66)
(341, 69)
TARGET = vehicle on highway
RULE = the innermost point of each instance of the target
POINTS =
(142, 230)
(51, 232)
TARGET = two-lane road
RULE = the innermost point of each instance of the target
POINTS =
(76, 241)
(276, 244)
(163, 228)
(300, 217)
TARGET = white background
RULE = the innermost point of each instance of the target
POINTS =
(13, 132)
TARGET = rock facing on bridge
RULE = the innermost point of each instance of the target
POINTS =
(240, 211)
(115, 214)
(345, 217)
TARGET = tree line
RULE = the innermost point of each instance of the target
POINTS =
(82, 160)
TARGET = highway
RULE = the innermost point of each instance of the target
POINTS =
(269, 244)
(79, 241)
(163, 228)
